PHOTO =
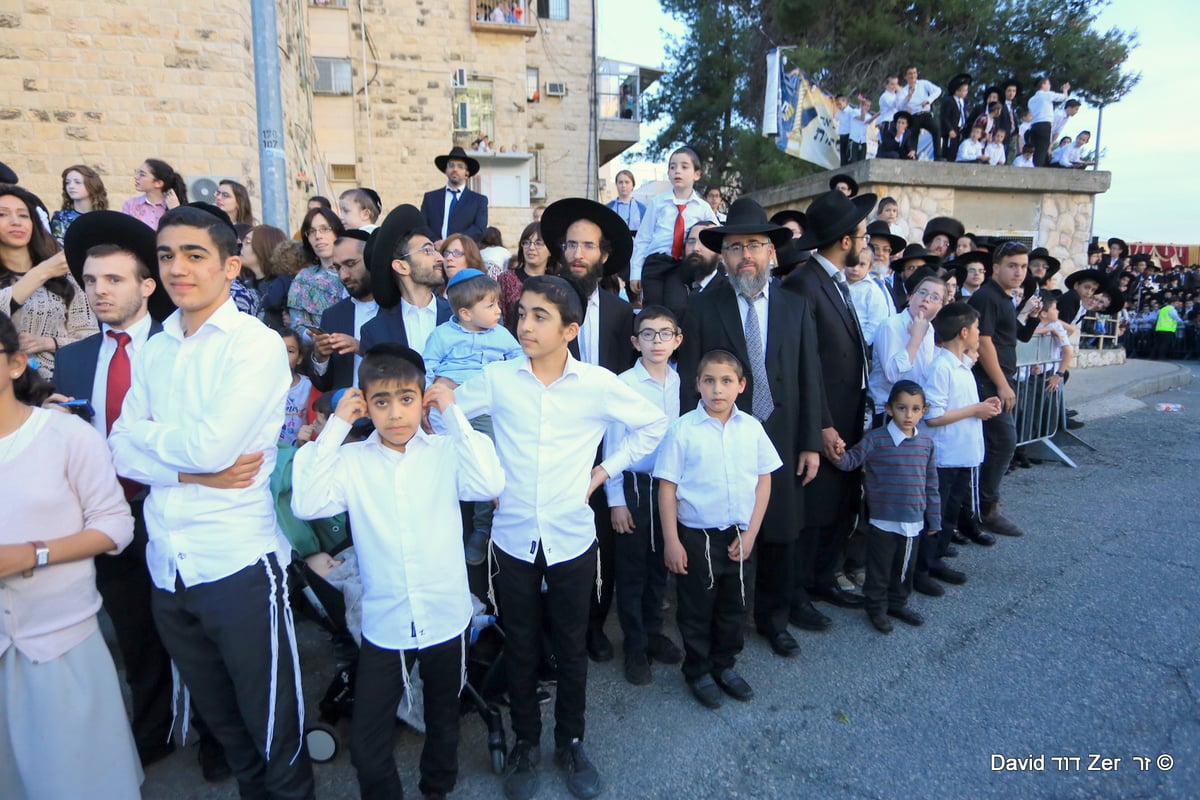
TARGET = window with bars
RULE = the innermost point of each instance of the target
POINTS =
(553, 9)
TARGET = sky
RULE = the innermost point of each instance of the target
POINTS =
(1149, 138)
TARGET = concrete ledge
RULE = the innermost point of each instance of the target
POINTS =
(1110, 357)
(1100, 392)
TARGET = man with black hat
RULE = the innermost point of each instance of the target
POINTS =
(899, 140)
(970, 270)
(1009, 122)
(455, 209)
(843, 183)
(773, 334)
(701, 267)
(1081, 285)
(838, 231)
(953, 115)
(885, 246)
(941, 234)
(406, 272)
(593, 242)
(336, 353)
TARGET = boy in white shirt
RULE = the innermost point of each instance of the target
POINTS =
(995, 149)
(972, 149)
(954, 419)
(845, 115)
(714, 471)
(903, 346)
(1026, 157)
(549, 412)
(402, 488)
(641, 573)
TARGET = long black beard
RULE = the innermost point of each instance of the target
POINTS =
(695, 268)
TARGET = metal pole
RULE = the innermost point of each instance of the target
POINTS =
(1099, 125)
(272, 162)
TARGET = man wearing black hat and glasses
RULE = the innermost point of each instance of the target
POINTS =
(838, 231)
(455, 208)
(773, 335)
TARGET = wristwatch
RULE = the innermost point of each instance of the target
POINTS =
(42, 558)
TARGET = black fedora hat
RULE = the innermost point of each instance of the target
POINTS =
(112, 227)
(1010, 81)
(746, 217)
(842, 177)
(947, 226)
(880, 230)
(959, 80)
(789, 257)
(919, 274)
(832, 216)
(457, 154)
(912, 253)
(1052, 263)
(401, 222)
(959, 264)
(1086, 275)
(904, 115)
(782, 217)
(562, 214)
(1117, 240)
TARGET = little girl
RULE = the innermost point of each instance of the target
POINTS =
(82, 191)
(299, 399)
(659, 243)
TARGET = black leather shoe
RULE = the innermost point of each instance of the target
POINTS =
(637, 669)
(521, 778)
(705, 690)
(881, 623)
(947, 575)
(783, 645)
(808, 618)
(981, 538)
(734, 685)
(927, 585)
(837, 596)
(951, 552)
(907, 616)
(996, 522)
(213, 766)
(599, 648)
(661, 649)
(958, 538)
(583, 779)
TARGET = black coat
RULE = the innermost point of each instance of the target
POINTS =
(388, 326)
(890, 148)
(615, 329)
(470, 216)
(948, 116)
(75, 364)
(713, 322)
(338, 318)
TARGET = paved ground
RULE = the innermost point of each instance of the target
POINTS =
(1079, 639)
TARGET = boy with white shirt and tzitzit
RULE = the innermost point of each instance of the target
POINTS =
(402, 488)
(550, 412)
(903, 346)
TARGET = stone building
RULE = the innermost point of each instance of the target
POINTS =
(373, 91)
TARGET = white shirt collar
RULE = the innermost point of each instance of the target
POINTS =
(897, 435)
(826, 265)
(138, 331)
(225, 318)
(407, 307)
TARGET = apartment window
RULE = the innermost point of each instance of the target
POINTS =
(532, 85)
(474, 112)
(333, 76)
(553, 9)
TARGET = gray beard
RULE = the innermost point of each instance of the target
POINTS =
(750, 285)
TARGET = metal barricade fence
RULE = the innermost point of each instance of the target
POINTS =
(1040, 414)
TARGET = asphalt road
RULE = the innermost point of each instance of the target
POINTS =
(1077, 643)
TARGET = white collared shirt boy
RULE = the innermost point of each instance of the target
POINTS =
(950, 385)
(665, 396)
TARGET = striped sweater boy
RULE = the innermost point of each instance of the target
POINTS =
(900, 474)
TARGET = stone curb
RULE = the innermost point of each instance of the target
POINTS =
(1179, 375)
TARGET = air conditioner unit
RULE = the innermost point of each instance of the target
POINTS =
(458, 79)
(554, 89)
(203, 187)
(537, 190)
(1027, 238)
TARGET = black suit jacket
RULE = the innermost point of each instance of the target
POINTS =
(338, 318)
(843, 401)
(1008, 123)
(890, 148)
(75, 364)
(388, 326)
(470, 216)
(713, 322)
(615, 328)
(948, 116)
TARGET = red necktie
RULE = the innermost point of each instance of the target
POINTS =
(114, 395)
(677, 242)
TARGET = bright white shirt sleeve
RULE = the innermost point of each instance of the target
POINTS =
(131, 459)
(474, 398)
(614, 487)
(318, 490)
(646, 425)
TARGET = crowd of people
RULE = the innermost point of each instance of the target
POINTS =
(1001, 126)
(769, 413)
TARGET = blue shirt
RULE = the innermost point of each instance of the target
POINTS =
(454, 352)
(630, 212)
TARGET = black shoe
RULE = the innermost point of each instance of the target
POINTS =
(881, 623)
(521, 778)
(1071, 412)
(213, 766)
(951, 552)
(734, 685)
(661, 649)
(808, 618)
(947, 575)
(599, 648)
(1074, 424)
(1022, 461)
(476, 547)
(996, 522)
(907, 616)
(927, 585)
(705, 690)
(583, 779)
(980, 537)
(783, 645)
(156, 753)
(637, 669)
(837, 596)
(958, 538)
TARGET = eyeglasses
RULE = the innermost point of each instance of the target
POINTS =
(934, 296)
(586, 247)
(866, 238)
(665, 335)
(533, 244)
(324, 230)
(427, 248)
(453, 253)
(736, 250)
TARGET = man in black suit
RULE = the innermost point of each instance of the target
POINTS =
(455, 208)
(785, 396)
(406, 272)
(1008, 121)
(336, 353)
(953, 115)
(838, 231)
(592, 242)
(899, 141)
(701, 269)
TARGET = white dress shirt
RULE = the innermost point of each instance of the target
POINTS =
(407, 522)
(760, 309)
(195, 404)
(889, 104)
(589, 331)
(1041, 105)
(547, 438)
(657, 233)
(924, 94)
(419, 322)
(715, 467)
(364, 312)
(995, 153)
(871, 305)
(665, 396)
(889, 359)
(138, 332)
(970, 150)
(950, 385)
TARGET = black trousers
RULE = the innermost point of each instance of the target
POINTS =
(661, 284)
(641, 572)
(776, 589)
(379, 687)
(949, 146)
(1039, 137)
(999, 442)
(954, 484)
(569, 585)
(927, 121)
(123, 581)
(890, 562)
(219, 635)
(711, 614)
(844, 149)
(1164, 344)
